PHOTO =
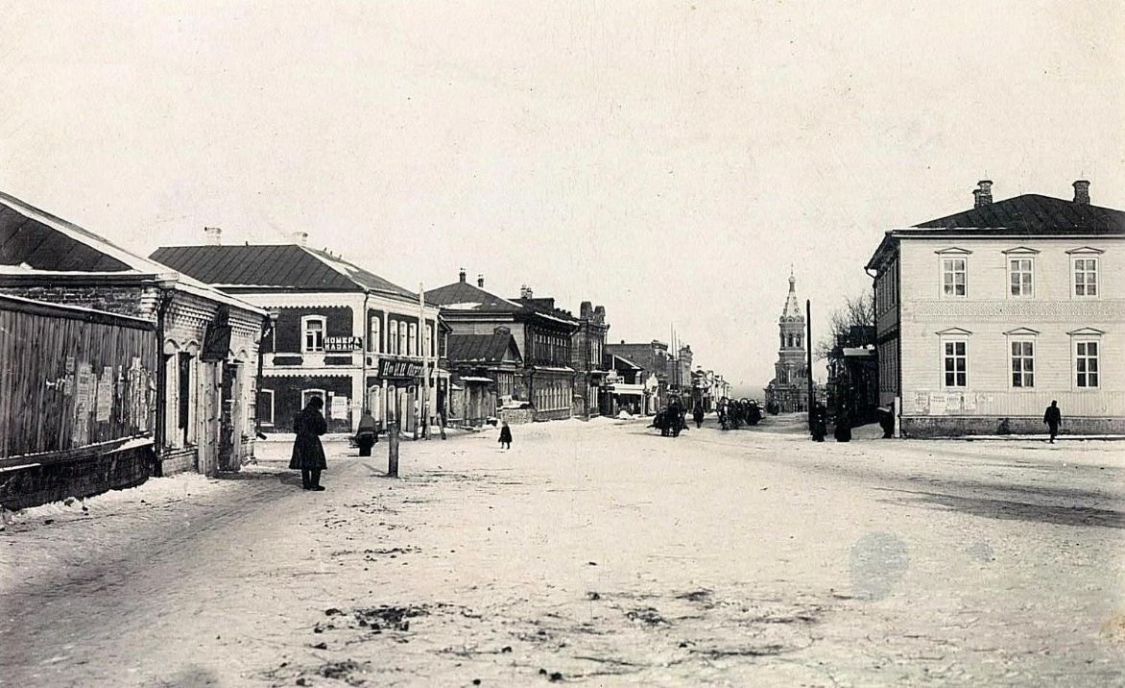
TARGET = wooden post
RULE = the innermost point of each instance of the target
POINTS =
(392, 449)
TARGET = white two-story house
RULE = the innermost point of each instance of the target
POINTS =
(986, 316)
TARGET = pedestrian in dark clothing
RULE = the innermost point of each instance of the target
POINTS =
(505, 436)
(697, 415)
(367, 434)
(887, 422)
(308, 454)
(843, 432)
(1053, 417)
(820, 422)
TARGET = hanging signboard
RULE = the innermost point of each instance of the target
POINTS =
(342, 345)
(399, 369)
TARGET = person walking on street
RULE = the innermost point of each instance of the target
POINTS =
(308, 454)
(1053, 418)
(367, 434)
(697, 415)
(505, 436)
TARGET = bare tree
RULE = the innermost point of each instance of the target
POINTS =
(858, 310)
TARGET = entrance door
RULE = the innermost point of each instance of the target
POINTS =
(230, 435)
(209, 415)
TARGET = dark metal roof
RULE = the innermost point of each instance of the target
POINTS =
(27, 237)
(465, 293)
(1034, 214)
(1029, 215)
(481, 348)
(274, 266)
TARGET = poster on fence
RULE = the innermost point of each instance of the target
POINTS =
(105, 396)
(83, 401)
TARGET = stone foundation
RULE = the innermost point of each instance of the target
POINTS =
(920, 427)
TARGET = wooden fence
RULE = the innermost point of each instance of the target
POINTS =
(71, 379)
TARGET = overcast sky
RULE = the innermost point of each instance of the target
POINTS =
(667, 160)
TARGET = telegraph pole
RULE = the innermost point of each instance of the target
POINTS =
(808, 349)
(424, 387)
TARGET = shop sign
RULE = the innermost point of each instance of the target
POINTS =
(399, 369)
(342, 345)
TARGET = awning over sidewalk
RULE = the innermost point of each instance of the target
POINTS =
(480, 380)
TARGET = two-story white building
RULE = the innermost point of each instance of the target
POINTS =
(986, 316)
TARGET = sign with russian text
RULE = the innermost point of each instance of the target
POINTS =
(342, 345)
(399, 369)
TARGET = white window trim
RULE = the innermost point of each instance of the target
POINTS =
(305, 320)
(374, 343)
(392, 337)
(1013, 255)
(1082, 336)
(1084, 254)
(1022, 335)
(953, 334)
(952, 254)
(318, 392)
(412, 339)
(273, 410)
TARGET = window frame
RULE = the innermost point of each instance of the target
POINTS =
(273, 409)
(412, 340)
(392, 337)
(319, 392)
(374, 334)
(1074, 272)
(1087, 340)
(306, 320)
(1012, 357)
(964, 272)
(1012, 272)
(953, 339)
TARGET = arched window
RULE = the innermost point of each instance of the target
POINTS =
(392, 338)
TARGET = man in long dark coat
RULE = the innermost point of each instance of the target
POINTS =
(308, 454)
(1053, 417)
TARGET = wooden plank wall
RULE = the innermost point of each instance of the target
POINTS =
(54, 368)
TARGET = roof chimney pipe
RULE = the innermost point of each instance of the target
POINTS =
(461, 275)
(983, 193)
(215, 235)
(301, 238)
(480, 281)
(1082, 192)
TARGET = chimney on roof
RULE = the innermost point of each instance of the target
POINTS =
(480, 281)
(983, 193)
(526, 292)
(214, 235)
(461, 275)
(301, 238)
(1082, 192)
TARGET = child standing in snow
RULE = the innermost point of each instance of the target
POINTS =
(505, 436)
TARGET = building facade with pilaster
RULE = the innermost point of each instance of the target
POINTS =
(338, 332)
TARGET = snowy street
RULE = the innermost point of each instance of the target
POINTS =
(592, 553)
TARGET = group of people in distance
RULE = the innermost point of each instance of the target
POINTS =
(308, 453)
(734, 412)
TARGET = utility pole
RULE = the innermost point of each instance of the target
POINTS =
(424, 388)
(808, 350)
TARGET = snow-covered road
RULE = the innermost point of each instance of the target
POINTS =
(595, 553)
